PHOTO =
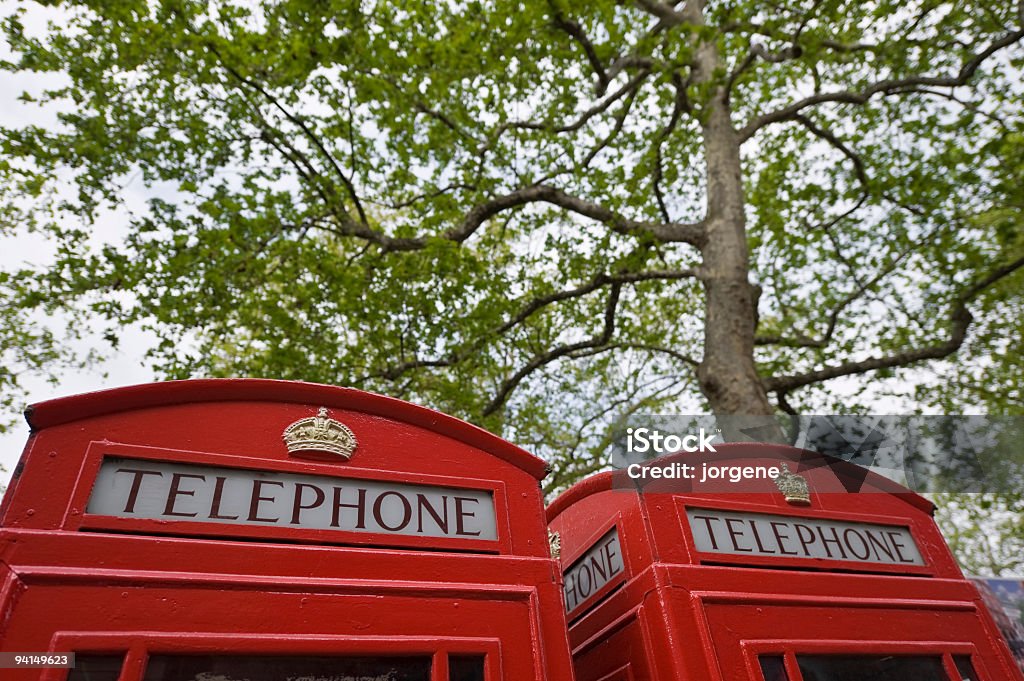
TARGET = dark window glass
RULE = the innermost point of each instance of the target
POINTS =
(265, 668)
(96, 667)
(871, 668)
(964, 666)
(773, 668)
(465, 668)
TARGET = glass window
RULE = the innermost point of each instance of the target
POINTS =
(465, 668)
(871, 668)
(965, 668)
(265, 668)
(89, 667)
(773, 668)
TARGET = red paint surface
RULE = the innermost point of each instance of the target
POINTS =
(71, 581)
(679, 613)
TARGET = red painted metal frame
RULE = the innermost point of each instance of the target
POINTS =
(790, 648)
(139, 646)
(76, 517)
(623, 673)
(151, 395)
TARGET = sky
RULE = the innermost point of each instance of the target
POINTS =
(122, 368)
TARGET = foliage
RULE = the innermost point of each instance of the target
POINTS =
(506, 210)
(985, 531)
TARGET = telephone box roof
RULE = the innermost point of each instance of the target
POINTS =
(87, 405)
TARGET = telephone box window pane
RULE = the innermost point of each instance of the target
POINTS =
(465, 668)
(265, 668)
(871, 668)
(96, 667)
(964, 666)
(773, 668)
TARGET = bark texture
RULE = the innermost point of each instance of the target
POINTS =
(727, 374)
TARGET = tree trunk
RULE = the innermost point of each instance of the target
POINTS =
(727, 374)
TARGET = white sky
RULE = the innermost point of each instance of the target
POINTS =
(125, 367)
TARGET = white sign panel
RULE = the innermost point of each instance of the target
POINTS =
(159, 490)
(584, 579)
(759, 534)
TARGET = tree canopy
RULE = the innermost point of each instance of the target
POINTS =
(985, 531)
(535, 215)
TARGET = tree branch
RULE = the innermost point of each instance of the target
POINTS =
(998, 120)
(666, 232)
(302, 165)
(301, 124)
(445, 121)
(675, 354)
(602, 106)
(536, 304)
(596, 342)
(575, 31)
(793, 51)
(784, 405)
(804, 341)
(628, 62)
(676, 232)
(412, 201)
(862, 178)
(829, 136)
(960, 321)
(884, 87)
(620, 120)
(680, 105)
(665, 12)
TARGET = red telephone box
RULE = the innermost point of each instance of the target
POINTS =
(792, 579)
(219, 530)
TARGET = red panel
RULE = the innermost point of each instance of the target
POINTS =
(64, 410)
(619, 656)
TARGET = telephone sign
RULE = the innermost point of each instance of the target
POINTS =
(586, 578)
(174, 491)
(762, 534)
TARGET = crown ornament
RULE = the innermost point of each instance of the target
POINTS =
(555, 544)
(793, 487)
(318, 435)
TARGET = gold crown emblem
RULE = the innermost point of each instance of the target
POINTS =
(793, 487)
(555, 544)
(319, 433)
